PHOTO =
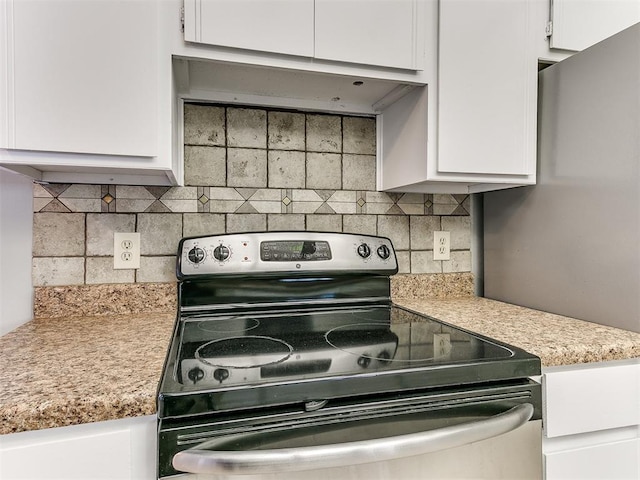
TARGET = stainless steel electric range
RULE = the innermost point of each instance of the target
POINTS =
(289, 355)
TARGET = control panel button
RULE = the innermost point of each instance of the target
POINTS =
(363, 250)
(221, 253)
(384, 252)
(196, 255)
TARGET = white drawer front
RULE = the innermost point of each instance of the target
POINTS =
(591, 397)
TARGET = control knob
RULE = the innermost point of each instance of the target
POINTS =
(364, 361)
(363, 250)
(384, 252)
(221, 253)
(195, 374)
(221, 374)
(196, 255)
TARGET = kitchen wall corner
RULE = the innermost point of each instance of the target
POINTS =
(16, 226)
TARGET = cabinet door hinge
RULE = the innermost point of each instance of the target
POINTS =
(182, 18)
(549, 28)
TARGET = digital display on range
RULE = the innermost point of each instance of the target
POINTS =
(294, 250)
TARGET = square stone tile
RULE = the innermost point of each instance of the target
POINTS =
(286, 130)
(359, 135)
(194, 224)
(204, 125)
(423, 262)
(246, 167)
(324, 170)
(459, 262)
(100, 270)
(206, 166)
(246, 128)
(363, 224)
(422, 228)
(100, 230)
(58, 234)
(324, 223)
(460, 228)
(395, 228)
(359, 172)
(55, 271)
(285, 221)
(324, 133)
(404, 261)
(156, 270)
(246, 222)
(159, 233)
(286, 169)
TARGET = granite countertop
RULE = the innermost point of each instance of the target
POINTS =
(71, 370)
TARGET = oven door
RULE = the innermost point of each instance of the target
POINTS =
(480, 435)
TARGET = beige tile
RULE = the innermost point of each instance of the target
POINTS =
(422, 228)
(250, 222)
(204, 125)
(324, 170)
(359, 135)
(56, 271)
(286, 169)
(100, 230)
(156, 270)
(246, 167)
(100, 270)
(205, 166)
(358, 172)
(285, 221)
(404, 261)
(82, 204)
(460, 262)
(324, 133)
(460, 228)
(246, 128)
(286, 131)
(203, 224)
(396, 228)
(363, 224)
(324, 223)
(58, 234)
(423, 262)
(159, 233)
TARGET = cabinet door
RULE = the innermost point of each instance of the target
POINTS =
(578, 25)
(83, 77)
(487, 81)
(279, 26)
(385, 33)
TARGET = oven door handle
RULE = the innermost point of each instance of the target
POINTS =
(200, 460)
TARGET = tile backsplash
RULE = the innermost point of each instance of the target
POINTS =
(246, 169)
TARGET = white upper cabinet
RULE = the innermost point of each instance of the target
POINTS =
(278, 26)
(578, 24)
(474, 127)
(382, 33)
(81, 87)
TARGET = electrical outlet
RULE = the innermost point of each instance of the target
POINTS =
(441, 245)
(441, 345)
(126, 250)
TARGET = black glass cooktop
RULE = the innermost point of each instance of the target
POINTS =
(262, 358)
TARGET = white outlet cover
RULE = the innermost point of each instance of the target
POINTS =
(441, 245)
(126, 250)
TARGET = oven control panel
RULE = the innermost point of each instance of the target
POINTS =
(274, 252)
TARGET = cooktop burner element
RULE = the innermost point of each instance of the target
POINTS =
(229, 325)
(243, 352)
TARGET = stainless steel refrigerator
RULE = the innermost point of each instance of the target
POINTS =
(571, 244)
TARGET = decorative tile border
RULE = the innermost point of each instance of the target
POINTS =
(65, 198)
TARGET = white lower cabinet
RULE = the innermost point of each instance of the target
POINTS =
(113, 450)
(592, 421)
